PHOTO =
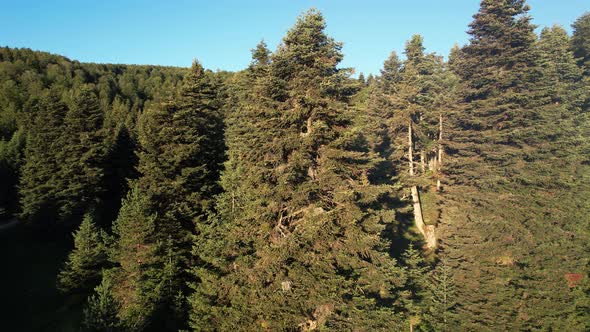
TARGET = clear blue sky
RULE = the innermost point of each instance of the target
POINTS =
(221, 33)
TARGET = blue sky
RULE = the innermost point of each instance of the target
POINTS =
(221, 33)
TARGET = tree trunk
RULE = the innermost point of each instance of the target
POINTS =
(422, 161)
(440, 138)
(418, 218)
(308, 124)
(410, 149)
(440, 152)
(416, 204)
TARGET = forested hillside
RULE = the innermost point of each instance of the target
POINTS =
(447, 193)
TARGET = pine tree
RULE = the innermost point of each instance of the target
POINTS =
(242, 183)
(121, 162)
(496, 68)
(441, 302)
(82, 156)
(137, 255)
(305, 251)
(416, 287)
(40, 183)
(181, 149)
(362, 79)
(558, 164)
(100, 313)
(64, 155)
(406, 113)
(82, 270)
(379, 110)
(502, 229)
(580, 43)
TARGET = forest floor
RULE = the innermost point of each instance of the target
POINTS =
(30, 301)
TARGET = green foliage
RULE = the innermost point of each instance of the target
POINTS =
(304, 248)
(276, 198)
(441, 299)
(100, 314)
(181, 149)
(64, 153)
(82, 270)
(122, 92)
(137, 253)
(82, 156)
(580, 43)
(511, 174)
(40, 182)
(120, 168)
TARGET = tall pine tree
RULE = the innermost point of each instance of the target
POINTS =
(308, 251)
(181, 149)
(40, 184)
(82, 156)
(504, 224)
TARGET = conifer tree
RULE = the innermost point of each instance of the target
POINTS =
(121, 162)
(40, 183)
(100, 313)
(82, 269)
(82, 156)
(559, 71)
(407, 110)
(242, 181)
(489, 140)
(181, 149)
(440, 301)
(416, 287)
(581, 41)
(137, 253)
(64, 155)
(306, 250)
(362, 79)
(502, 164)
(379, 110)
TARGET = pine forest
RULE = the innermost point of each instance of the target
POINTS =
(450, 192)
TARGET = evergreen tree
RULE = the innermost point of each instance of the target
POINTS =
(440, 302)
(362, 79)
(181, 149)
(138, 258)
(406, 114)
(306, 250)
(501, 230)
(415, 290)
(580, 43)
(82, 156)
(121, 162)
(560, 75)
(63, 169)
(379, 110)
(100, 313)
(82, 269)
(40, 183)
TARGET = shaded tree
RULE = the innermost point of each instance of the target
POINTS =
(82, 270)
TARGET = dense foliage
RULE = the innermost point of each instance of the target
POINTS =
(290, 196)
